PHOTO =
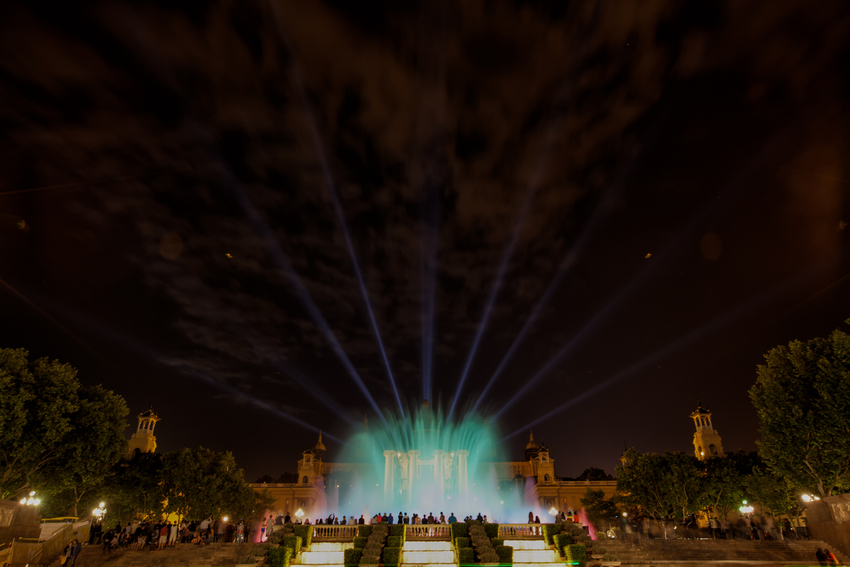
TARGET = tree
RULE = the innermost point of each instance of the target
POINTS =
(727, 480)
(594, 473)
(600, 512)
(133, 489)
(204, 483)
(661, 485)
(776, 495)
(54, 434)
(802, 396)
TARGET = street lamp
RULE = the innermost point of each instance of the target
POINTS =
(809, 497)
(99, 512)
(746, 509)
(31, 501)
(299, 513)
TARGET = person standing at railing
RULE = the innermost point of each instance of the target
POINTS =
(452, 519)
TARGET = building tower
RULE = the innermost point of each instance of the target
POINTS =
(706, 439)
(143, 440)
(532, 449)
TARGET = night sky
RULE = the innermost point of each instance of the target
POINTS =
(645, 196)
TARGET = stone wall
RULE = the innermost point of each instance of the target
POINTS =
(829, 520)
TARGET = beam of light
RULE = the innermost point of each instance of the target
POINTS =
(590, 228)
(428, 275)
(736, 190)
(47, 316)
(314, 390)
(154, 354)
(715, 324)
(317, 143)
(240, 395)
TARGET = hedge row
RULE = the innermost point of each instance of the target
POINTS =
(391, 556)
(465, 556)
(305, 532)
(351, 557)
(294, 543)
(561, 542)
(462, 542)
(506, 554)
(395, 541)
(576, 554)
(364, 531)
(280, 556)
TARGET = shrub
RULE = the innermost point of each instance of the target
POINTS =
(280, 556)
(489, 557)
(551, 530)
(462, 542)
(259, 551)
(364, 531)
(575, 553)
(506, 554)
(397, 530)
(465, 556)
(492, 530)
(459, 530)
(360, 541)
(497, 541)
(395, 541)
(611, 557)
(305, 533)
(277, 537)
(561, 541)
(293, 543)
(370, 560)
(391, 555)
(351, 557)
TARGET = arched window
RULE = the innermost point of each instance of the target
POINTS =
(701, 452)
(712, 449)
(305, 480)
(545, 478)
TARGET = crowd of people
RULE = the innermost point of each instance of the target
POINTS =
(159, 535)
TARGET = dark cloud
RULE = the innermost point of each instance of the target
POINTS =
(622, 124)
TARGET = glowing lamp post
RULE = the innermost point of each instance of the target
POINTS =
(746, 509)
(299, 513)
(553, 512)
(31, 501)
(99, 512)
(809, 497)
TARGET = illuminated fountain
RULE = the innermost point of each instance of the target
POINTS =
(424, 463)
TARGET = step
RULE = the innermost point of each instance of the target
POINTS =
(523, 544)
(320, 558)
(536, 556)
(430, 564)
(330, 546)
(427, 557)
(427, 546)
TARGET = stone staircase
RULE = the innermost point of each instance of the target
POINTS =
(533, 553)
(324, 554)
(732, 552)
(182, 555)
(428, 553)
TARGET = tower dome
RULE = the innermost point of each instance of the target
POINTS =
(320, 450)
(532, 449)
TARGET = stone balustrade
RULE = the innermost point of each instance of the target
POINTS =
(428, 531)
(334, 533)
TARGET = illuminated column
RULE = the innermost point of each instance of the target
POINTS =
(388, 476)
(413, 461)
(462, 473)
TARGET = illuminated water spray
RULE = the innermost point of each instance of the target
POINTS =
(423, 462)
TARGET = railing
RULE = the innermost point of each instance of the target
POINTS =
(520, 531)
(334, 533)
(428, 531)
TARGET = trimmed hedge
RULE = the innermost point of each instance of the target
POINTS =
(562, 541)
(360, 542)
(397, 530)
(364, 531)
(462, 542)
(351, 557)
(395, 541)
(492, 530)
(497, 541)
(293, 543)
(465, 555)
(391, 555)
(305, 533)
(280, 556)
(551, 530)
(506, 554)
(459, 530)
(370, 560)
(576, 554)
